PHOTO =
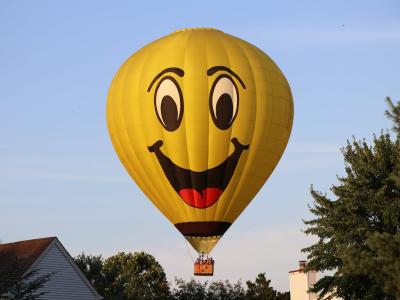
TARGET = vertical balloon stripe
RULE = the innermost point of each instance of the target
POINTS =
(222, 60)
(141, 107)
(188, 213)
(192, 57)
(214, 56)
(251, 88)
(226, 135)
(116, 134)
(132, 114)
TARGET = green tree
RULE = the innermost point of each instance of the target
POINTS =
(393, 113)
(189, 290)
(92, 267)
(358, 231)
(219, 290)
(216, 290)
(19, 286)
(134, 276)
(283, 296)
(380, 261)
(260, 289)
(138, 276)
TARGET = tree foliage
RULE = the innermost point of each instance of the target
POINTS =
(359, 230)
(193, 290)
(380, 261)
(19, 286)
(260, 289)
(216, 290)
(126, 276)
(136, 276)
(393, 113)
(92, 267)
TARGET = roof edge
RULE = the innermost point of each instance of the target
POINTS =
(70, 260)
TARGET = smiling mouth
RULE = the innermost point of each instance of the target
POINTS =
(199, 189)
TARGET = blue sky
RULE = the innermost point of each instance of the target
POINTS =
(60, 176)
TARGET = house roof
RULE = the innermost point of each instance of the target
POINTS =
(16, 258)
(297, 271)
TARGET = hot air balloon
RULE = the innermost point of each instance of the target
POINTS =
(200, 118)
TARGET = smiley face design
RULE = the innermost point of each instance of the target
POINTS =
(200, 119)
(198, 189)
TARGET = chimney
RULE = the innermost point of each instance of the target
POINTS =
(302, 264)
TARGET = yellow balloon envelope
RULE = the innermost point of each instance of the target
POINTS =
(200, 119)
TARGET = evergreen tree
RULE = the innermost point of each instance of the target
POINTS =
(19, 286)
(379, 261)
(393, 113)
(260, 289)
(359, 230)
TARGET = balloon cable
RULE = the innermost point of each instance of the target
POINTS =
(188, 250)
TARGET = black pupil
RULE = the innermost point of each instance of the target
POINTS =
(224, 111)
(169, 113)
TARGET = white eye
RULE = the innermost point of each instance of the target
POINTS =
(168, 103)
(224, 101)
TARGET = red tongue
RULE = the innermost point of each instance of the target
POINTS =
(208, 197)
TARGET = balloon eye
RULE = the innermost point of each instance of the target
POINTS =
(168, 103)
(224, 101)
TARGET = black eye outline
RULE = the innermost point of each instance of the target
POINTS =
(180, 112)
(212, 112)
